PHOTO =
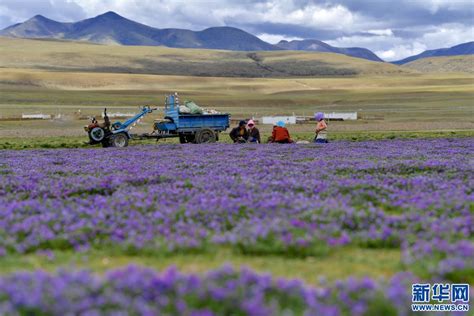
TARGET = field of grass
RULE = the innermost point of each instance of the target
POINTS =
(350, 262)
(415, 102)
(443, 64)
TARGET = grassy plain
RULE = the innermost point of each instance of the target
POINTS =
(445, 64)
(396, 103)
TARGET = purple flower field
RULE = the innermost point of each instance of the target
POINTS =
(416, 196)
(140, 291)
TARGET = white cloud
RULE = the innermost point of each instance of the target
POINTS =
(434, 6)
(335, 17)
(386, 32)
(274, 39)
(398, 52)
(448, 35)
(322, 17)
(390, 47)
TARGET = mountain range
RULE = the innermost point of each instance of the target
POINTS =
(111, 28)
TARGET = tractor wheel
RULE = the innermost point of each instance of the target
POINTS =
(205, 136)
(119, 140)
(97, 134)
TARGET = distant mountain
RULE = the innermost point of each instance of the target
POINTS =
(111, 28)
(37, 27)
(318, 46)
(461, 49)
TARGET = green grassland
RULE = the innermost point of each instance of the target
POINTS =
(350, 262)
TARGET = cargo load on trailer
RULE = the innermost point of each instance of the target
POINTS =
(190, 107)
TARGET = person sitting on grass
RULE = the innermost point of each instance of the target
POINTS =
(321, 129)
(280, 134)
(239, 134)
(254, 133)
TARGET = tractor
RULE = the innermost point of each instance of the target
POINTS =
(116, 134)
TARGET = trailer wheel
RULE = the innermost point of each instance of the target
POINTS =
(205, 136)
(119, 140)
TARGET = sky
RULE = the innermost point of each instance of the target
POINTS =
(393, 29)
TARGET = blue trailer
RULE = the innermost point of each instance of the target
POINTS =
(190, 128)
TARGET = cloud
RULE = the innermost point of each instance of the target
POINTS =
(397, 52)
(321, 17)
(391, 29)
(386, 32)
(14, 11)
(390, 46)
(274, 38)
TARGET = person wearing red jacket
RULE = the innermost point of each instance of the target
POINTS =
(280, 134)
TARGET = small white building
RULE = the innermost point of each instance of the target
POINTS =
(272, 120)
(35, 116)
(119, 115)
(341, 116)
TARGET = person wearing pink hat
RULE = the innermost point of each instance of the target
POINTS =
(254, 133)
